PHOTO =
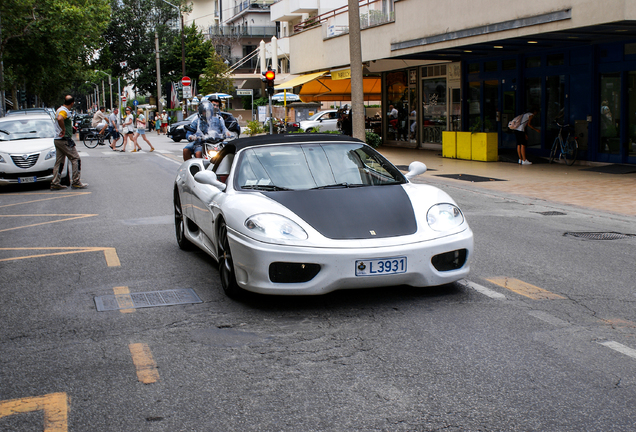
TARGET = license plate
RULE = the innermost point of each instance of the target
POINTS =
(384, 266)
(27, 179)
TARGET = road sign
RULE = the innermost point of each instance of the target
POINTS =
(187, 92)
(247, 92)
(185, 81)
(135, 102)
(123, 98)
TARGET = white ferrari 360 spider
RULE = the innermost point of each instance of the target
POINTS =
(314, 213)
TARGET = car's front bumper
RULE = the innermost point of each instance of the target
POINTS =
(16, 178)
(252, 260)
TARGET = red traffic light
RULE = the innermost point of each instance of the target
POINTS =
(270, 75)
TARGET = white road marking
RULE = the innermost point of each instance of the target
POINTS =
(620, 348)
(483, 290)
(544, 316)
(169, 159)
(83, 154)
(163, 151)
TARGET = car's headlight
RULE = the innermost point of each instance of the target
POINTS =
(275, 227)
(50, 154)
(444, 217)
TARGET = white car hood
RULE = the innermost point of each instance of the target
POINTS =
(26, 146)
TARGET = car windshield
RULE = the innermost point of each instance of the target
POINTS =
(314, 166)
(14, 128)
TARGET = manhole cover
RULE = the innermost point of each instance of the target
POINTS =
(468, 177)
(598, 235)
(146, 299)
(552, 213)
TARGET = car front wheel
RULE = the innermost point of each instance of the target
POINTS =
(226, 264)
(179, 223)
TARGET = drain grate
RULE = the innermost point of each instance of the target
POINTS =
(598, 235)
(146, 299)
(468, 177)
(552, 213)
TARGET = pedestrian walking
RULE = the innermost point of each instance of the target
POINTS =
(157, 122)
(65, 147)
(128, 129)
(114, 128)
(164, 122)
(141, 131)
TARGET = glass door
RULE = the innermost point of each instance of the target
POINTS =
(609, 143)
(631, 120)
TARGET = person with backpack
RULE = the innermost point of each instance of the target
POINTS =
(518, 126)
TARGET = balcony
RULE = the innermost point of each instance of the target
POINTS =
(252, 6)
(303, 6)
(242, 31)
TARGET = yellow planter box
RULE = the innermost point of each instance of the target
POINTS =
(464, 146)
(484, 146)
(449, 144)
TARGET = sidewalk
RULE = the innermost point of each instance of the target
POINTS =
(572, 185)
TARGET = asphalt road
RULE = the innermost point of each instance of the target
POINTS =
(540, 337)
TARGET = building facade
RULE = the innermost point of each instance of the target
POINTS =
(473, 65)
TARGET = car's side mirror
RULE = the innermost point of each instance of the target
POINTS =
(209, 178)
(415, 169)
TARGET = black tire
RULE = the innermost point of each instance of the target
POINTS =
(91, 140)
(179, 224)
(120, 142)
(572, 150)
(226, 265)
(554, 149)
(175, 139)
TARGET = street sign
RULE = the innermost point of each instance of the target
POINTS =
(247, 92)
(135, 102)
(185, 81)
(123, 98)
(187, 92)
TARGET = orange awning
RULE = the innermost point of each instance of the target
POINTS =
(326, 89)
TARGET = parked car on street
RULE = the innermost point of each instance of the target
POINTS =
(177, 132)
(27, 152)
(322, 121)
(314, 213)
(27, 111)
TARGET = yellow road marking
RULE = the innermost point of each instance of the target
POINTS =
(525, 289)
(54, 405)
(122, 295)
(112, 260)
(144, 363)
(76, 216)
(58, 195)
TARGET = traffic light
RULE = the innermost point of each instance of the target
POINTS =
(268, 78)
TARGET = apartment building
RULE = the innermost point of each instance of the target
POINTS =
(472, 65)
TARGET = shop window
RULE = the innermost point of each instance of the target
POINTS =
(491, 105)
(630, 49)
(434, 109)
(398, 97)
(533, 62)
(555, 104)
(631, 121)
(473, 68)
(474, 106)
(533, 101)
(610, 113)
(490, 66)
(509, 64)
(556, 59)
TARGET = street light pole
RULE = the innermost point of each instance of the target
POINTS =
(110, 85)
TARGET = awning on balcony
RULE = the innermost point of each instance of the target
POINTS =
(299, 80)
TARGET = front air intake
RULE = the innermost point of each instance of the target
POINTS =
(450, 260)
(284, 272)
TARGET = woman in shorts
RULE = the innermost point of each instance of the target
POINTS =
(141, 131)
(127, 128)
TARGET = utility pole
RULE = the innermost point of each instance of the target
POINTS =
(159, 107)
(355, 62)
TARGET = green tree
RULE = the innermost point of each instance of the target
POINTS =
(197, 50)
(216, 76)
(46, 44)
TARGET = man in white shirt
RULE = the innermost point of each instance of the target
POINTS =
(100, 120)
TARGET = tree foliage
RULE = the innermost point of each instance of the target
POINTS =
(47, 43)
(216, 76)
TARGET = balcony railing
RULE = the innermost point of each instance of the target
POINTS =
(242, 31)
(261, 5)
(336, 22)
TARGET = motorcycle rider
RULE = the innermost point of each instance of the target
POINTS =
(208, 125)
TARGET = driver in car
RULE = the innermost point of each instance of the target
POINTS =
(209, 125)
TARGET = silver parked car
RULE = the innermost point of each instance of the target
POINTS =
(322, 121)
(27, 152)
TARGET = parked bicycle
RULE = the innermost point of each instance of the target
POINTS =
(567, 147)
(93, 138)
